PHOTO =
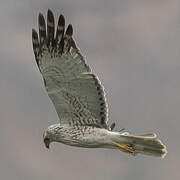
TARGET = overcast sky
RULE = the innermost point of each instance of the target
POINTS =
(134, 48)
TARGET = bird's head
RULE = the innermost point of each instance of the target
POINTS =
(51, 135)
(46, 139)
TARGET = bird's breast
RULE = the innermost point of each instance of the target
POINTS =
(83, 136)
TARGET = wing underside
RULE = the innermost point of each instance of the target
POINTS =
(75, 91)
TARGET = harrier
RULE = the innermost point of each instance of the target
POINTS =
(78, 95)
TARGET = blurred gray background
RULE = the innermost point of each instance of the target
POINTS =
(134, 48)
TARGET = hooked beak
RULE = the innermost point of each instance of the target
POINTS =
(47, 146)
(47, 142)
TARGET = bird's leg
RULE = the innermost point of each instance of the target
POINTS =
(125, 148)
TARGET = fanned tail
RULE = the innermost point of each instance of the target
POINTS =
(147, 144)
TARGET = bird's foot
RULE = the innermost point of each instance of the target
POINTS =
(125, 148)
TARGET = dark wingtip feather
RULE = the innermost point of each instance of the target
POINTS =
(42, 28)
(41, 19)
(60, 30)
(61, 21)
(50, 11)
(34, 33)
(50, 16)
(35, 43)
(69, 30)
(35, 40)
(50, 26)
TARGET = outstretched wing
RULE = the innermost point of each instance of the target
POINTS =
(75, 91)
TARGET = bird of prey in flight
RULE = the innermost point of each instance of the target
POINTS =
(78, 95)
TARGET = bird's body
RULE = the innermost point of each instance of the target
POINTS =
(93, 137)
(78, 95)
(81, 136)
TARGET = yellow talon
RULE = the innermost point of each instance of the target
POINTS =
(124, 148)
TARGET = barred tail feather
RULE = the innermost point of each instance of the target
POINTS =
(147, 144)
